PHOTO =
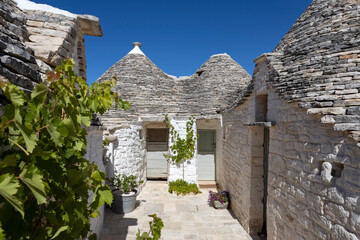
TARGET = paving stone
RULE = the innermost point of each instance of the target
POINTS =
(185, 221)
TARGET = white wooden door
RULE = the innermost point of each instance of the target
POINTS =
(206, 155)
(157, 145)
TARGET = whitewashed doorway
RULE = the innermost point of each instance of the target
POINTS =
(206, 155)
(157, 145)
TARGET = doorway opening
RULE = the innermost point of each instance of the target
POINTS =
(157, 145)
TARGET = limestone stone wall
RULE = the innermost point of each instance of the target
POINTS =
(188, 169)
(313, 184)
(242, 167)
(56, 34)
(34, 40)
(314, 187)
(317, 63)
(17, 60)
(55, 37)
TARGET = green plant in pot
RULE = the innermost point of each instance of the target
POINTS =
(125, 191)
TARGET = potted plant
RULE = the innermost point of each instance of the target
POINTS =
(220, 200)
(124, 189)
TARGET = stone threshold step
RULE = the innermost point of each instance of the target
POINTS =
(207, 184)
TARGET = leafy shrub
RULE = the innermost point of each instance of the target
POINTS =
(222, 197)
(155, 229)
(182, 187)
(124, 183)
(45, 180)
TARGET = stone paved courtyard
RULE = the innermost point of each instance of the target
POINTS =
(188, 217)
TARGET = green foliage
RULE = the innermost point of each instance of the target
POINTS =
(124, 183)
(106, 142)
(182, 187)
(45, 180)
(2, 235)
(155, 229)
(181, 149)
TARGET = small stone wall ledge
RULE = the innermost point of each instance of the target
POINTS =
(264, 56)
(259, 124)
(90, 25)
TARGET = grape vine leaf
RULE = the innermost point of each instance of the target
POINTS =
(103, 194)
(9, 186)
(15, 95)
(32, 177)
(39, 93)
(29, 137)
(60, 230)
(2, 234)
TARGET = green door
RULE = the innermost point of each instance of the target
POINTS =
(206, 155)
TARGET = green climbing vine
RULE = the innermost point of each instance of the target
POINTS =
(155, 229)
(45, 181)
(182, 149)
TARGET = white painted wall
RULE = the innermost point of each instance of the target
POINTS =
(129, 152)
(176, 170)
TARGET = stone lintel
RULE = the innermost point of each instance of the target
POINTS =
(90, 25)
(210, 117)
(151, 119)
(259, 124)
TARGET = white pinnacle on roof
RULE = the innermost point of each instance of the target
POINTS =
(28, 5)
(136, 49)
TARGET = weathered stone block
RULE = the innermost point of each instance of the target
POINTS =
(339, 232)
(336, 195)
(336, 213)
(347, 126)
(20, 67)
(333, 110)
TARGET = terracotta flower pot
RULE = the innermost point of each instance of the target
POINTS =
(219, 205)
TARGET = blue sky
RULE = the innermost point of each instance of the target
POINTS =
(180, 35)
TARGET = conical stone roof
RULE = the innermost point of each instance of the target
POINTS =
(317, 63)
(152, 92)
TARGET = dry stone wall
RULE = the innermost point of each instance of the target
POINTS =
(318, 63)
(34, 41)
(55, 37)
(311, 85)
(242, 167)
(17, 60)
(314, 185)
